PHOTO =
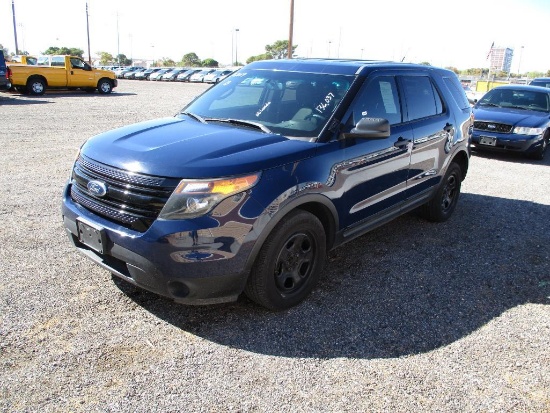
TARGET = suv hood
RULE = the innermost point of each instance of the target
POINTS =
(185, 148)
(515, 117)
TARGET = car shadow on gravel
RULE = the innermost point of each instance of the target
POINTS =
(406, 288)
(16, 100)
(20, 99)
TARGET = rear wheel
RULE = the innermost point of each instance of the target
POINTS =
(36, 86)
(290, 262)
(442, 205)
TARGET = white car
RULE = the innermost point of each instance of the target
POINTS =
(472, 95)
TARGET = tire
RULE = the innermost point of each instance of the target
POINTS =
(36, 86)
(104, 86)
(539, 153)
(441, 206)
(289, 263)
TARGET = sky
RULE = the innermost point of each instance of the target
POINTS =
(443, 33)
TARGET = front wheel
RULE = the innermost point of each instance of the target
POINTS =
(290, 262)
(442, 205)
(104, 86)
(539, 153)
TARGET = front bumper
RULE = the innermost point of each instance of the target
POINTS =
(506, 142)
(191, 262)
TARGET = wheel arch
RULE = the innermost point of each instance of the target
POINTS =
(462, 160)
(316, 204)
(35, 77)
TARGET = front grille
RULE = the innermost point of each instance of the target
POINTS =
(493, 127)
(132, 200)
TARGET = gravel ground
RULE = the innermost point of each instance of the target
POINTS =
(414, 316)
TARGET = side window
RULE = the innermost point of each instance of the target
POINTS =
(378, 99)
(58, 61)
(77, 63)
(422, 98)
(457, 92)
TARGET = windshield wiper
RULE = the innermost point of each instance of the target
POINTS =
(241, 123)
(194, 116)
(487, 104)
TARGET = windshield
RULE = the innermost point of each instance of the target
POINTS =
(293, 104)
(516, 99)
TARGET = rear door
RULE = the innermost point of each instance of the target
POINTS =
(433, 126)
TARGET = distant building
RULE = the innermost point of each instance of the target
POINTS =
(501, 59)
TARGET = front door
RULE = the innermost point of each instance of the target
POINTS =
(372, 173)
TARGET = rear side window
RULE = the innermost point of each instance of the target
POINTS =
(422, 98)
(457, 92)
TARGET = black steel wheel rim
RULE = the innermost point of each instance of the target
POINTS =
(295, 263)
(449, 193)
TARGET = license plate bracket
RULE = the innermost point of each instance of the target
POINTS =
(91, 236)
(487, 140)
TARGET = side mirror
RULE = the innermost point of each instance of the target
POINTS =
(370, 128)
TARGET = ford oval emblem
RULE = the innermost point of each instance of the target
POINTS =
(97, 188)
(491, 126)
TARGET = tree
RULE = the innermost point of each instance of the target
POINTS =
(263, 56)
(121, 59)
(190, 60)
(73, 51)
(167, 62)
(279, 49)
(105, 58)
(210, 63)
(454, 69)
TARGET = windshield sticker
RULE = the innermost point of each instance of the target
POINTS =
(321, 107)
(258, 113)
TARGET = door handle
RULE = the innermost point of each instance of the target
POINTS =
(448, 127)
(401, 142)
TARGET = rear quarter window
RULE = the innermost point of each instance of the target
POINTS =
(457, 92)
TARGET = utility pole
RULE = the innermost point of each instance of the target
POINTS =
(88, 32)
(14, 27)
(291, 30)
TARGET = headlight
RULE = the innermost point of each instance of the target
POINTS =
(521, 130)
(193, 198)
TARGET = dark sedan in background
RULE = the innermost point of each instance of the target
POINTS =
(513, 118)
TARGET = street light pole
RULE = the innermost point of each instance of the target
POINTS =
(236, 46)
(519, 64)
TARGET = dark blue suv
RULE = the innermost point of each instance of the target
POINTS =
(249, 186)
(4, 77)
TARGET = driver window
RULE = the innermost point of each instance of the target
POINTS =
(77, 64)
(378, 99)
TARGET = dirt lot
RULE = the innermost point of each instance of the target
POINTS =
(414, 316)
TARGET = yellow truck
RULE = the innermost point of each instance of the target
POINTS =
(60, 72)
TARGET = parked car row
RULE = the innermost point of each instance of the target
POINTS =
(173, 74)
